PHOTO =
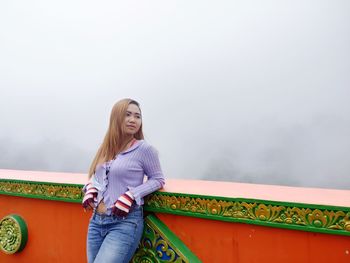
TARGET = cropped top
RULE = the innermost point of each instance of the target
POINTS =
(127, 172)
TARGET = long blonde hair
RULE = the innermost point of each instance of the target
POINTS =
(114, 140)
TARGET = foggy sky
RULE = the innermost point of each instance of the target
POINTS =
(247, 91)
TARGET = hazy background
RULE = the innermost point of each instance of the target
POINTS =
(247, 91)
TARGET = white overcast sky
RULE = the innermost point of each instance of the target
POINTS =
(248, 91)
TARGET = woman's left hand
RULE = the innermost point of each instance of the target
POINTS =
(123, 204)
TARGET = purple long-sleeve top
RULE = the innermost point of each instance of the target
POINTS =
(127, 172)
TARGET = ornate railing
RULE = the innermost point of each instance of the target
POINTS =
(297, 216)
(159, 244)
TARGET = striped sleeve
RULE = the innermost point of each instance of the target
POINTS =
(153, 171)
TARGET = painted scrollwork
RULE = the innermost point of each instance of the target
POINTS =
(255, 212)
(13, 234)
(154, 248)
(41, 190)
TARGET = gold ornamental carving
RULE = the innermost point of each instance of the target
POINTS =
(258, 212)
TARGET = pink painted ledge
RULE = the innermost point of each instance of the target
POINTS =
(318, 196)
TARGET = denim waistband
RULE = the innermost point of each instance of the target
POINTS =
(102, 216)
(134, 208)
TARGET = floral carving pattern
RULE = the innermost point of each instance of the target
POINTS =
(42, 190)
(156, 248)
(13, 234)
(255, 212)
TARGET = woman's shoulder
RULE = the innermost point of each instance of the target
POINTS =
(145, 146)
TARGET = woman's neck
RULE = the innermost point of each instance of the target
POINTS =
(128, 141)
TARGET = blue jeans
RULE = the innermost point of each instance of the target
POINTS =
(113, 239)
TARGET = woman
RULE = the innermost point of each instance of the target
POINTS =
(116, 186)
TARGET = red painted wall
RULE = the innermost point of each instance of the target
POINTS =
(57, 233)
(56, 230)
(223, 242)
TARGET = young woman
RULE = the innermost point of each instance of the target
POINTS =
(116, 186)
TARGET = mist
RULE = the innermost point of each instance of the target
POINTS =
(238, 91)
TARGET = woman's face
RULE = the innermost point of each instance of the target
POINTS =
(133, 120)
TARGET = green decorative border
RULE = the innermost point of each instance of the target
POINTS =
(42, 190)
(160, 245)
(13, 234)
(297, 216)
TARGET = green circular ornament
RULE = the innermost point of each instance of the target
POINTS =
(13, 234)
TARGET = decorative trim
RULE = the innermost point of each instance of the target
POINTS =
(42, 190)
(297, 216)
(306, 217)
(160, 245)
(13, 234)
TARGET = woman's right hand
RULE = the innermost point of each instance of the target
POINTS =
(90, 197)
